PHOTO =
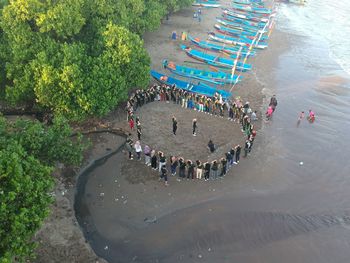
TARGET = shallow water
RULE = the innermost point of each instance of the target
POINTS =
(272, 209)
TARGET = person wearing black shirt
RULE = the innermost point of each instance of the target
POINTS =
(223, 167)
(228, 158)
(164, 175)
(139, 133)
(162, 160)
(273, 102)
(153, 160)
(206, 171)
(214, 169)
(174, 125)
(182, 167)
(238, 152)
(190, 170)
(211, 146)
(232, 152)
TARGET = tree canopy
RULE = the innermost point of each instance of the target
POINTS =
(77, 58)
(28, 151)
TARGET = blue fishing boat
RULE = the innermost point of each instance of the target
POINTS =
(206, 3)
(242, 27)
(216, 61)
(218, 78)
(249, 2)
(253, 9)
(190, 87)
(246, 15)
(242, 21)
(246, 42)
(232, 51)
(239, 33)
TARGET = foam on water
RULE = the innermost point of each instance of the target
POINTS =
(324, 21)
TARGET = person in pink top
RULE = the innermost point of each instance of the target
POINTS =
(269, 112)
(311, 116)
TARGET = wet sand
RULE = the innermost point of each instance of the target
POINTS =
(268, 208)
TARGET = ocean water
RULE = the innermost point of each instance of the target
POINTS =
(324, 21)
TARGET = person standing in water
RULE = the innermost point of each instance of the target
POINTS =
(311, 117)
(273, 102)
(301, 117)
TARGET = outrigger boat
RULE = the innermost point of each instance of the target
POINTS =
(242, 21)
(236, 41)
(188, 86)
(215, 60)
(234, 52)
(206, 3)
(239, 33)
(250, 8)
(238, 26)
(249, 2)
(218, 78)
(246, 15)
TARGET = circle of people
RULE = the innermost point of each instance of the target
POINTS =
(235, 110)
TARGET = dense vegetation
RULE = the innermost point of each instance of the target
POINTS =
(77, 58)
(28, 152)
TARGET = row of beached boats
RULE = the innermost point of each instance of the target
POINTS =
(242, 30)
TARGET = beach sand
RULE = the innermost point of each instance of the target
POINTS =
(135, 217)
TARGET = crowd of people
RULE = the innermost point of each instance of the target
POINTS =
(235, 111)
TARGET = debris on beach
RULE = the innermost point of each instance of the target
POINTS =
(125, 202)
(106, 247)
(301, 163)
(102, 194)
(150, 220)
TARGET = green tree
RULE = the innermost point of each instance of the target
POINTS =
(28, 151)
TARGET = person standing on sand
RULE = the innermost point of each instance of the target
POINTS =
(182, 167)
(153, 160)
(147, 152)
(138, 149)
(174, 125)
(164, 175)
(214, 169)
(211, 146)
(246, 148)
(232, 152)
(131, 123)
(190, 170)
(162, 160)
(128, 146)
(173, 164)
(223, 166)
(238, 153)
(206, 171)
(194, 127)
(199, 169)
(139, 133)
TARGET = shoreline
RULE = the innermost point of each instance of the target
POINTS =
(139, 193)
(241, 89)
